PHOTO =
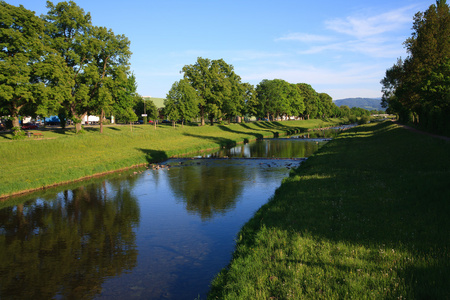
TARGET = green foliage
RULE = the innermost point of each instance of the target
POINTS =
(357, 220)
(24, 62)
(219, 90)
(181, 102)
(415, 88)
(17, 133)
(311, 99)
(364, 119)
(278, 98)
(146, 106)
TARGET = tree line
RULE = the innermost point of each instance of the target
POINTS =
(61, 64)
(211, 90)
(417, 88)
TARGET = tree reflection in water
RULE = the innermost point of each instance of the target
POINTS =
(207, 188)
(83, 243)
(67, 246)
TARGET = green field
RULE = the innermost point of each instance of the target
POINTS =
(63, 156)
(366, 217)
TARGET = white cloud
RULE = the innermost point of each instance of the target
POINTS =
(363, 27)
(305, 37)
(379, 36)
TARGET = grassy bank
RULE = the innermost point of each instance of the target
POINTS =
(62, 156)
(367, 217)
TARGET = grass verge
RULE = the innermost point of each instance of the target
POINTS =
(61, 156)
(366, 217)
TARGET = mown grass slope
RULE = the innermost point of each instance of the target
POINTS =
(367, 217)
(62, 156)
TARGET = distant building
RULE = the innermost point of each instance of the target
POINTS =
(90, 120)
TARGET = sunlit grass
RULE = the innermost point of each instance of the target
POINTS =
(364, 218)
(64, 156)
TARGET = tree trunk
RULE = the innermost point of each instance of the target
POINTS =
(77, 127)
(202, 116)
(102, 115)
(15, 121)
(80, 119)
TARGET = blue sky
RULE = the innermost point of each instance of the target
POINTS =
(342, 48)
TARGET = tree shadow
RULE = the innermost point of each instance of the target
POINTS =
(222, 142)
(357, 199)
(154, 156)
(271, 126)
(256, 135)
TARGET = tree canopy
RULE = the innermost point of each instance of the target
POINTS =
(28, 68)
(59, 63)
(415, 88)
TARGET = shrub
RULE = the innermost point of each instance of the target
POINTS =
(18, 133)
(364, 120)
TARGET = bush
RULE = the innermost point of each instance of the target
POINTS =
(352, 119)
(18, 133)
(364, 120)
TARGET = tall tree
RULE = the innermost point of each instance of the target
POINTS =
(198, 76)
(26, 64)
(327, 105)
(311, 99)
(250, 100)
(296, 101)
(216, 84)
(91, 53)
(181, 102)
(110, 67)
(125, 98)
(428, 49)
(274, 98)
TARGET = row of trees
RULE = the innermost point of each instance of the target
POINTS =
(60, 63)
(210, 89)
(417, 88)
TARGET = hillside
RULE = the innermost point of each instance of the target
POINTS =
(159, 102)
(366, 103)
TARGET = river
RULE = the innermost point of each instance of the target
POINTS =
(148, 233)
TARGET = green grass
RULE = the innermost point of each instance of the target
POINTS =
(63, 156)
(367, 217)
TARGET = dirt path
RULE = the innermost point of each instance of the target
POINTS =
(445, 138)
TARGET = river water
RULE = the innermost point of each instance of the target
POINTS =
(149, 233)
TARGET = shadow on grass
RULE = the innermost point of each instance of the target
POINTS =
(379, 187)
(276, 127)
(221, 142)
(256, 135)
(154, 156)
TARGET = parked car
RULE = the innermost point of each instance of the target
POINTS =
(30, 126)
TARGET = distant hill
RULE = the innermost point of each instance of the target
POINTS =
(366, 103)
(159, 102)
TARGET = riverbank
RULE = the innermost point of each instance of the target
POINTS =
(365, 217)
(61, 156)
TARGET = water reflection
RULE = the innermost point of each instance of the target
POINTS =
(292, 147)
(69, 245)
(153, 234)
(207, 188)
